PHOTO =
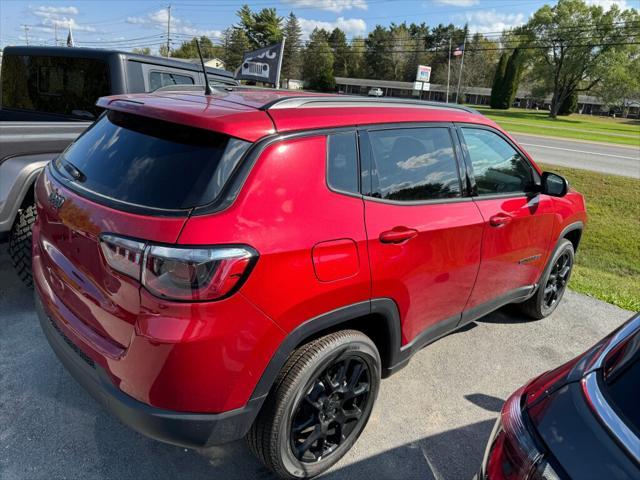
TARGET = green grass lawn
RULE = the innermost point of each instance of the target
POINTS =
(580, 127)
(608, 260)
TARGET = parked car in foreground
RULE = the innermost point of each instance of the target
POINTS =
(48, 97)
(376, 92)
(580, 421)
(252, 262)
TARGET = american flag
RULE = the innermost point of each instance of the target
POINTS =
(458, 51)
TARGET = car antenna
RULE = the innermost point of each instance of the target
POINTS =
(207, 87)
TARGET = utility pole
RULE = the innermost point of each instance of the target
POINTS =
(169, 31)
(26, 33)
(448, 70)
(464, 47)
(55, 29)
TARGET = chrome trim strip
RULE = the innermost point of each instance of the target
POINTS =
(631, 327)
(608, 417)
(330, 101)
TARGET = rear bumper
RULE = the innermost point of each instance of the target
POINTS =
(191, 430)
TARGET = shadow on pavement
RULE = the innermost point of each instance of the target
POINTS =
(488, 402)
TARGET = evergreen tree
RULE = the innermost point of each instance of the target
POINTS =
(570, 105)
(341, 52)
(317, 71)
(497, 89)
(377, 54)
(291, 61)
(234, 44)
(262, 28)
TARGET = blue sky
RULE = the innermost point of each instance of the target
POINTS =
(122, 24)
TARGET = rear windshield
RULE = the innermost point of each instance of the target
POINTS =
(61, 85)
(623, 380)
(151, 163)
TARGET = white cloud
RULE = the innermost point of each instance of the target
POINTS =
(607, 4)
(160, 17)
(43, 11)
(60, 18)
(350, 26)
(336, 6)
(485, 21)
(458, 3)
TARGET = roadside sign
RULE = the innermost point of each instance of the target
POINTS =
(417, 86)
(426, 87)
(423, 74)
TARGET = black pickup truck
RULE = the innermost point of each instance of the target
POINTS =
(47, 99)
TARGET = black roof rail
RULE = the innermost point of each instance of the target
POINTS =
(354, 101)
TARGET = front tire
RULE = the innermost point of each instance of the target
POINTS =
(20, 243)
(553, 283)
(320, 403)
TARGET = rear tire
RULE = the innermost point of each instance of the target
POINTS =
(20, 243)
(553, 283)
(326, 390)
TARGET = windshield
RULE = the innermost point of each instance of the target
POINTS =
(151, 163)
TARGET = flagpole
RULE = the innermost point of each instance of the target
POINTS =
(464, 47)
(448, 71)
(280, 63)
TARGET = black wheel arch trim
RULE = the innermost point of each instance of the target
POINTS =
(384, 309)
(579, 225)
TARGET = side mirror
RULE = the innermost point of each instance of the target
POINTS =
(554, 184)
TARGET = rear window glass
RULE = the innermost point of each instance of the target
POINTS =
(342, 167)
(62, 85)
(622, 380)
(162, 79)
(151, 163)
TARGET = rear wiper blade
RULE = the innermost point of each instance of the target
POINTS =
(74, 171)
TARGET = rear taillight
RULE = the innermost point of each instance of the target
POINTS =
(180, 273)
(512, 453)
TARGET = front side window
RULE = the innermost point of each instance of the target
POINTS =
(162, 79)
(342, 162)
(414, 164)
(498, 167)
(60, 85)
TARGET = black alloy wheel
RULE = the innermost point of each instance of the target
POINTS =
(331, 409)
(558, 279)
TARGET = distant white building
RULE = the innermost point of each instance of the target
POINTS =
(213, 62)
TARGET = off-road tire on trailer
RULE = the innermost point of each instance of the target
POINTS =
(323, 366)
(20, 243)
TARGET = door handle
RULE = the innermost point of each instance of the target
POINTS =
(499, 220)
(398, 235)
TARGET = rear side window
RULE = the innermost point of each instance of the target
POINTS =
(61, 85)
(162, 79)
(497, 166)
(342, 162)
(414, 164)
(151, 163)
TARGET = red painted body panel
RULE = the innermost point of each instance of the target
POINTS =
(513, 253)
(430, 276)
(318, 251)
(284, 210)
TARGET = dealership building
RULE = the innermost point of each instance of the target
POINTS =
(587, 104)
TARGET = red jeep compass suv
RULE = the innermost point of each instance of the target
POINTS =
(252, 262)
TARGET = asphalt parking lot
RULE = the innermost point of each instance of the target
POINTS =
(431, 420)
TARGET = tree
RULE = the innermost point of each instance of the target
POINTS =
(505, 83)
(142, 51)
(234, 44)
(163, 51)
(572, 42)
(621, 80)
(189, 49)
(318, 70)
(341, 52)
(291, 56)
(377, 56)
(357, 66)
(262, 28)
(497, 89)
(570, 105)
